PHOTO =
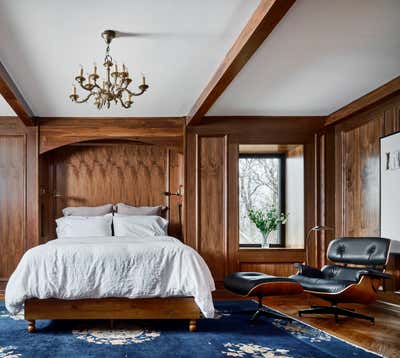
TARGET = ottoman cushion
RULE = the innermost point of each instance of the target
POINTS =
(243, 282)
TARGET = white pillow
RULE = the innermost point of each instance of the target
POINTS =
(88, 210)
(84, 226)
(125, 209)
(146, 225)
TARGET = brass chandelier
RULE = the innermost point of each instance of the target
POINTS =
(115, 85)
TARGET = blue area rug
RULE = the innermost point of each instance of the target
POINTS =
(229, 335)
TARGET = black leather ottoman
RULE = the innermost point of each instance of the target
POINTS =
(256, 284)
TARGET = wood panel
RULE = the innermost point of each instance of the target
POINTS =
(311, 199)
(360, 158)
(18, 193)
(91, 175)
(326, 198)
(212, 204)
(274, 269)
(271, 255)
(12, 202)
(57, 132)
(175, 184)
(261, 129)
(211, 186)
(356, 151)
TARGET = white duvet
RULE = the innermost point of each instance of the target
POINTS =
(130, 267)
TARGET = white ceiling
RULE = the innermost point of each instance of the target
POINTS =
(43, 42)
(5, 109)
(321, 56)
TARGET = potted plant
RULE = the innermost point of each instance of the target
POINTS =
(267, 221)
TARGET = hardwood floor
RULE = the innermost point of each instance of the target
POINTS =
(383, 337)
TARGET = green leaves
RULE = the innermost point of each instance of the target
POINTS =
(267, 221)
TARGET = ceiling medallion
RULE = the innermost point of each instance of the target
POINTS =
(115, 85)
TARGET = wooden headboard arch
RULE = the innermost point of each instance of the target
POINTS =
(110, 170)
(58, 132)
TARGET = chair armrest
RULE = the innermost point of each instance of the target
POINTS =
(374, 273)
(308, 271)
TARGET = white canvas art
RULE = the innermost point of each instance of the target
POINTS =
(390, 189)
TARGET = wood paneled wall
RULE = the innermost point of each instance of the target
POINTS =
(93, 174)
(18, 193)
(353, 145)
(211, 189)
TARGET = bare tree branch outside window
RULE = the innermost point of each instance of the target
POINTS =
(258, 189)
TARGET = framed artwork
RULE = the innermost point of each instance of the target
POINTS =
(390, 189)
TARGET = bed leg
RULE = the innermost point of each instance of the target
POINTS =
(111, 324)
(31, 326)
(193, 325)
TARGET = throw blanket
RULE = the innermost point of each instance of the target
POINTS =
(133, 267)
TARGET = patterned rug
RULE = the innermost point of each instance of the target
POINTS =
(229, 335)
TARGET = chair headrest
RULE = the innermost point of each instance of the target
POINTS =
(359, 250)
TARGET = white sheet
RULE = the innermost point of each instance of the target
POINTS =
(111, 267)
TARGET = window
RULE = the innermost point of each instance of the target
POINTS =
(261, 186)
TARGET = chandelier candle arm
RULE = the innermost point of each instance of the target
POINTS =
(115, 84)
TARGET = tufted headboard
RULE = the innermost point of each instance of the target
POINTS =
(369, 251)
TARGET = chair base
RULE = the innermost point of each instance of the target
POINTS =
(336, 311)
(262, 311)
(269, 314)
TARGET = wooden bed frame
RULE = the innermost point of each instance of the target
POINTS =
(112, 308)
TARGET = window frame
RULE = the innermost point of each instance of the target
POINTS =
(281, 194)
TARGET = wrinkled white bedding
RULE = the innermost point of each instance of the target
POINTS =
(97, 267)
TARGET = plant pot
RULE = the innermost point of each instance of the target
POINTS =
(264, 242)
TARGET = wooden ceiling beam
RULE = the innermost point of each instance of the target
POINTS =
(264, 19)
(13, 97)
(388, 89)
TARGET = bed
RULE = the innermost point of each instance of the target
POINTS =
(131, 277)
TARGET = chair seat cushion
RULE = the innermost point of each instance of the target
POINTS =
(243, 282)
(321, 284)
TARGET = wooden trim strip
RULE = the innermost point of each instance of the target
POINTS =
(14, 98)
(279, 255)
(264, 19)
(388, 89)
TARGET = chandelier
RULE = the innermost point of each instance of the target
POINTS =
(114, 86)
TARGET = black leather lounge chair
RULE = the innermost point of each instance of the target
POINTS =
(340, 283)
